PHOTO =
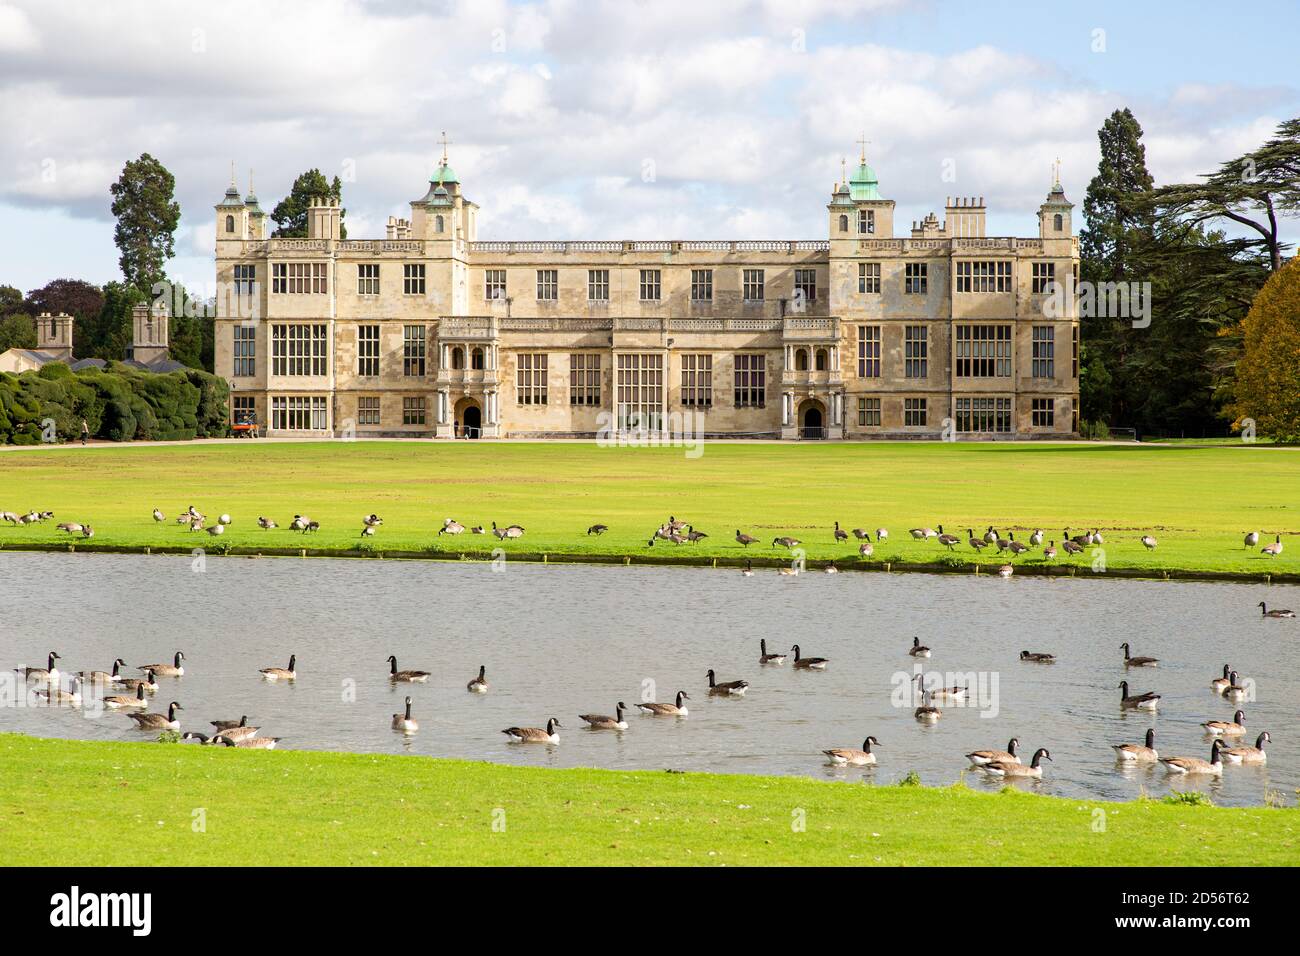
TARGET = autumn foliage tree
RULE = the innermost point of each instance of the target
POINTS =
(1268, 372)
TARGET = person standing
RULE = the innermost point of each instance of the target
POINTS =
(85, 431)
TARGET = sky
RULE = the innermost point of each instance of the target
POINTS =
(597, 119)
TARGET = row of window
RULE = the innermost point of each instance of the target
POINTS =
(413, 410)
(975, 414)
(981, 351)
(991, 276)
(639, 382)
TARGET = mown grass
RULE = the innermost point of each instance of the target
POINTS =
(71, 803)
(1196, 500)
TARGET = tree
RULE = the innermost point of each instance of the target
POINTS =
(11, 300)
(17, 331)
(1252, 190)
(147, 215)
(77, 298)
(290, 213)
(109, 336)
(1268, 374)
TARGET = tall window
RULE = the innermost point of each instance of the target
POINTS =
(413, 345)
(368, 278)
(1044, 356)
(649, 285)
(368, 350)
(866, 221)
(916, 278)
(584, 379)
(640, 391)
(983, 276)
(548, 284)
(298, 278)
(243, 408)
(1074, 352)
(530, 379)
(413, 278)
(701, 285)
(697, 381)
(844, 223)
(916, 352)
(413, 410)
(245, 278)
(805, 284)
(368, 410)
(245, 351)
(299, 349)
(914, 412)
(476, 359)
(1058, 222)
(983, 351)
(1043, 412)
(979, 414)
(868, 412)
(298, 412)
(1044, 274)
(752, 281)
(751, 381)
(494, 284)
(598, 285)
(868, 351)
(869, 277)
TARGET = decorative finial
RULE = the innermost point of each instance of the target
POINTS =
(863, 143)
(844, 169)
(445, 143)
(1056, 172)
(250, 182)
(232, 172)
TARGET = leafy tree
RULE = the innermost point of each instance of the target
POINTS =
(1268, 374)
(17, 331)
(11, 300)
(290, 213)
(109, 336)
(147, 215)
(73, 296)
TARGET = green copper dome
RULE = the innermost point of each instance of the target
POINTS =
(443, 174)
(863, 183)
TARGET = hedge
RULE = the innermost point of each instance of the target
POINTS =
(118, 402)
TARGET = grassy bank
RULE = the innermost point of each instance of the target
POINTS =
(88, 803)
(1196, 500)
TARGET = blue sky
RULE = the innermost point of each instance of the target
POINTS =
(742, 109)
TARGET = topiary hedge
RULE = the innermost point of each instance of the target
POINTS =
(118, 402)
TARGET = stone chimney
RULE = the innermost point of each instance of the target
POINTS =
(964, 217)
(149, 332)
(323, 218)
(54, 335)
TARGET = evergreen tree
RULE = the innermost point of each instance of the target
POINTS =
(290, 213)
(147, 216)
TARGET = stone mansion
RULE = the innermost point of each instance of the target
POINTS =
(430, 332)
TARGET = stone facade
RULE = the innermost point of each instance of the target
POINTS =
(430, 332)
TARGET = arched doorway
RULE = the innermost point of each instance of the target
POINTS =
(469, 419)
(812, 419)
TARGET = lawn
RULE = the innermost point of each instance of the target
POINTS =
(1196, 500)
(78, 803)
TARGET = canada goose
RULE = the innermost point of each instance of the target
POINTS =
(748, 569)
(1221, 684)
(862, 534)
(404, 722)
(597, 529)
(216, 529)
(1097, 538)
(367, 531)
(99, 677)
(786, 542)
(71, 527)
(602, 722)
(1049, 552)
(865, 549)
(247, 743)
(845, 756)
(477, 529)
(953, 693)
(808, 663)
(403, 677)
(1082, 540)
(676, 709)
(949, 541)
(373, 520)
(149, 682)
(47, 673)
(990, 536)
(230, 724)
(266, 523)
(1071, 547)
(534, 735)
(158, 721)
(479, 685)
(1227, 728)
(1138, 753)
(223, 519)
(1017, 547)
(980, 757)
(1036, 538)
(311, 526)
(1274, 549)
(921, 534)
(184, 518)
(282, 673)
(1037, 658)
(792, 571)
(979, 544)
(918, 649)
(239, 733)
(1251, 539)
(1149, 542)
(87, 531)
(765, 657)
(1235, 691)
(675, 525)
(196, 524)
(9, 516)
(1002, 768)
(57, 695)
(1006, 571)
(882, 534)
(124, 702)
(195, 735)
(840, 535)
(452, 526)
(1265, 612)
(299, 523)
(1147, 701)
(732, 688)
(514, 531)
(1189, 765)
(1138, 661)
(926, 712)
(174, 669)
(1253, 754)
(1002, 543)
(694, 536)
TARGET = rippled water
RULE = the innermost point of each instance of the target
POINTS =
(559, 640)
